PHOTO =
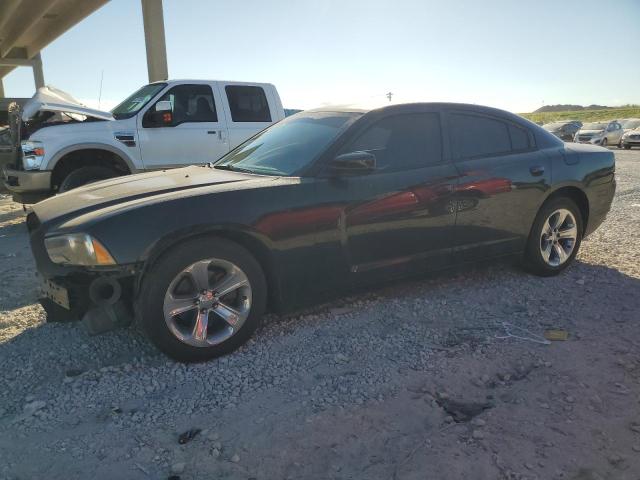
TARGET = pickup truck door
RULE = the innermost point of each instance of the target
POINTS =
(193, 131)
(249, 109)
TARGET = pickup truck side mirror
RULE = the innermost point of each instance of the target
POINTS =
(353, 163)
(163, 106)
(160, 116)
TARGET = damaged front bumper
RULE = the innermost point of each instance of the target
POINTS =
(102, 297)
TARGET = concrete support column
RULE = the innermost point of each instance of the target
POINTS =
(38, 74)
(154, 40)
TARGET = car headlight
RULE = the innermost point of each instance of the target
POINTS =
(32, 154)
(77, 249)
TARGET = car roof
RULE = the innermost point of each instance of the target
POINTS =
(409, 106)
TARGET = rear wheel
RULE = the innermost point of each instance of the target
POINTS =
(555, 237)
(84, 176)
(203, 299)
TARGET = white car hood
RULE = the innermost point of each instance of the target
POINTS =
(590, 132)
(53, 100)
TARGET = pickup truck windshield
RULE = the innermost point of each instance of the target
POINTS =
(135, 102)
(288, 146)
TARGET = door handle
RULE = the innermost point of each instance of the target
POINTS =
(536, 170)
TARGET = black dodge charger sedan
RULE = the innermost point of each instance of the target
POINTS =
(321, 202)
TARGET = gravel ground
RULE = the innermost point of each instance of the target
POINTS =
(422, 379)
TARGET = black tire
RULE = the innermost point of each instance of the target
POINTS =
(84, 176)
(604, 142)
(533, 259)
(159, 278)
(627, 147)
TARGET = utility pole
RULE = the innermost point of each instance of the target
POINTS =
(389, 95)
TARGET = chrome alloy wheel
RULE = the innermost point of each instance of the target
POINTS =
(558, 237)
(207, 303)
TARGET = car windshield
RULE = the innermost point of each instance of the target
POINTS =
(594, 126)
(135, 102)
(631, 123)
(288, 146)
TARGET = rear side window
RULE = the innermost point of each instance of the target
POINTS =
(248, 104)
(477, 136)
(519, 138)
(402, 142)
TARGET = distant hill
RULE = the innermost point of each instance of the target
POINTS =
(570, 108)
(585, 114)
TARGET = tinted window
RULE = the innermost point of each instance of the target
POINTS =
(289, 145)
(402, 142)
(248, 104)
(520, 137)
(189, 103)
(475, 136)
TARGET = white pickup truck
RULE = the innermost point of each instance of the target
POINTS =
(162, 125)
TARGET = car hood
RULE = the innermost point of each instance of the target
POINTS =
(144, 187)
(590, 132)
(53, 100)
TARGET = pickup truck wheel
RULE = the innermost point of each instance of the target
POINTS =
(555, 237)
(84, 176)
(203, 299)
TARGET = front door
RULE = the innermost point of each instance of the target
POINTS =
(192, 132)
(400, 216)
(503, 179)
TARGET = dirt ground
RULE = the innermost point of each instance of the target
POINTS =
(445, 377)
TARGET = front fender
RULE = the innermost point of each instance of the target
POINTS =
(122, 153)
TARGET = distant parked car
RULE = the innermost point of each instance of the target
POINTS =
(564, 130)
(630, 139)
(628, 124)
(317, 204)
(600, 133)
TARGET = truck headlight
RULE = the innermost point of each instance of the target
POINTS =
(77, 249)
(32, 155)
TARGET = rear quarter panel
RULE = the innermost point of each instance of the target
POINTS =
(591, 169)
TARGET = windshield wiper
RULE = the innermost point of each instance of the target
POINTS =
(233, 169)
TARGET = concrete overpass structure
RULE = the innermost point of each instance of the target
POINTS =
(28, 26)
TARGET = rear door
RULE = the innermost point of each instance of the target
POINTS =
(192, 132)
(248, 109)
(503, 178)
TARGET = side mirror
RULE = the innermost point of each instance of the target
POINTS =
(353, 163)
(160, 116)
(163, 106)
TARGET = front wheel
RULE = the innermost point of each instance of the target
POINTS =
(604, 142)
(202, 299)
(555, 237)
(84, 176)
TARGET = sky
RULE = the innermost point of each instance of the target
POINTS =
(511, 54)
